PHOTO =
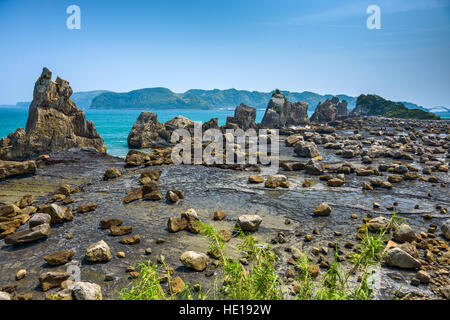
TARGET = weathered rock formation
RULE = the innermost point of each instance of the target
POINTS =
(330, 110)
(54, 123)
(147, 131)
(244, 118)
(282, 113)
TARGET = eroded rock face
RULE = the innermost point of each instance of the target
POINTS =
(54, 124)
(147, 131)
(282, 113)
(244, 118)
(330, 110)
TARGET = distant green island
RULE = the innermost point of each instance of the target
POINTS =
(157, 98)
(373, 105)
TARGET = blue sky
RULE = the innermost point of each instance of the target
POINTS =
(320, 46)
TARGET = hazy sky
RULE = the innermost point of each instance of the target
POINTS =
(320, 46)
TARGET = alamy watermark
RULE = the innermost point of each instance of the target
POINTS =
(374, 20)
(235, 146)
(74, 20)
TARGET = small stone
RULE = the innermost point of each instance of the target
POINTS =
(59, 258)
(21, 274)
(160, 240)
(120, 230)
(148, 251)
(219, 215)
(4, 296)
(176, 285)
(322, 210)
(25, 296)
(256, 178)
(111, 173)
(404, 233)
(98, 252)
(87, 291)
(53, 279)
(121, 254)
(249, 222)
(131, 240)
(423, 276)
(84, 208)
(194, 260)
(110, 222)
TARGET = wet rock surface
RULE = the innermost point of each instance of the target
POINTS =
(209, 189)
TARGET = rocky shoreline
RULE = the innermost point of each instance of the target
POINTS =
(79, 214)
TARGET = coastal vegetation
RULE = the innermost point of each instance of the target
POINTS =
(260, 281)
(373, 105)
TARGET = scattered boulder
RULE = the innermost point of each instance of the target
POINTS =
(84, 208)
(87, 291)
(194, 260)
(134, 239)
(110, 222)
(322, 210)
(219, 215)
(56, 213)
(335, 182)
(98, 252)
(171, 196)
(16, 168)
(249, 222)
(404, 233)
(306, 149)
(59, 258)
(133, 195)
(276, 180)
(136, 158)
(256, 178)
(21, 274)
(52, 279)
(121, 230)
(25, 201)
(396, 257)
(38, 232)
(39, 218)
(378, 223)
(153, 174)
(176, 285)
(111, 173)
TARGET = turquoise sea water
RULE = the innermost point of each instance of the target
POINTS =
(115, 125)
